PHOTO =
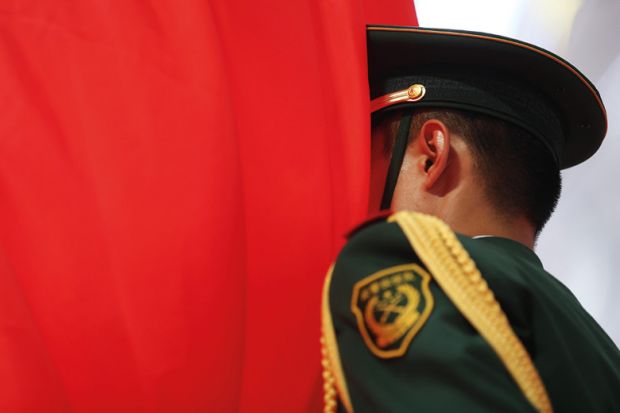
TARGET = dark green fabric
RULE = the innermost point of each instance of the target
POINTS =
(448, 366)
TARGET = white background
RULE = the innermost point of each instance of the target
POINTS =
(581, 243)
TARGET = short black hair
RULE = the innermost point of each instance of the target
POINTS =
(518, 172)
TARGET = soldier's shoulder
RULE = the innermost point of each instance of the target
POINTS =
(373, 219)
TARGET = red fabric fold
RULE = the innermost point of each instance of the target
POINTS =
(174, 181)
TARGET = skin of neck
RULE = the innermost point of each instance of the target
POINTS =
(438, 177)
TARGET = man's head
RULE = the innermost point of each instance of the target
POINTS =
(476, 127)
(453, 150)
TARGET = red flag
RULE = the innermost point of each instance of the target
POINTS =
(174, 181)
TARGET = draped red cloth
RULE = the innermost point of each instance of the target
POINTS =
(175, 178)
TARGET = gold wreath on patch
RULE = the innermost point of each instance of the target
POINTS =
(391, 306)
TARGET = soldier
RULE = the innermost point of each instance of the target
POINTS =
(443, 306)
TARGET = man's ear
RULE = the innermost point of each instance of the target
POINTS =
(433, 142)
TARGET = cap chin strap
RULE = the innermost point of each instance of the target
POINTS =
(398, 154)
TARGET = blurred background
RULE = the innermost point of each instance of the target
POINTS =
(581, 243)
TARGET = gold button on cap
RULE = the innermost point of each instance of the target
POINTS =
(416, 91)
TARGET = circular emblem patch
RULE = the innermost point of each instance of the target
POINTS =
(391, 306)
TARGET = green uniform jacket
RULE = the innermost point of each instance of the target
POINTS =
(448, 366)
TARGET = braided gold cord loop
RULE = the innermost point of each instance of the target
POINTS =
(457, 275)
(330, 395)
(334, 384)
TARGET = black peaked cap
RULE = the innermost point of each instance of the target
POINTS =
(493, 75)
